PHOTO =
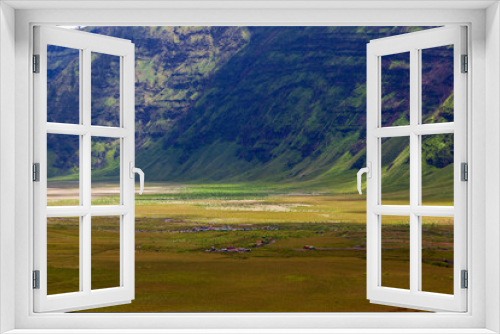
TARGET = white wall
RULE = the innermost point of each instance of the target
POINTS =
(492, 164)
(7, 159)
(304, 17)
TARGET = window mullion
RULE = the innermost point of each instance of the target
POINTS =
(81, 179)
(415, 268)
(86, 165)
(418, 162)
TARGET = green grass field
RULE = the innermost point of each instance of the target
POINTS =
(176, 273)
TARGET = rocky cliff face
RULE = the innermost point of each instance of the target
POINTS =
(258, 103)
(173, 67)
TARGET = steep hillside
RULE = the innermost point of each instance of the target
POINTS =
(173, 65)
(264, 103)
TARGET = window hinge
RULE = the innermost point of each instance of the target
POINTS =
(464, 171)
(36, 172)
(465, 64)
(36, 279)
(465, 279)
(36, 63)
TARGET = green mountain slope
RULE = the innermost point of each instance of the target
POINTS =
(266, 103)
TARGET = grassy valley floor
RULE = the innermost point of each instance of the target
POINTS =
(247, 248)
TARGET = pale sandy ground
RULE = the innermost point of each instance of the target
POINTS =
(70, 190)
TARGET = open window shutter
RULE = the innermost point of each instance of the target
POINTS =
(85, 293)
(414, 295)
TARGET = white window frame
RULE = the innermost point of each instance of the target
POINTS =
(482, 19)
(414, 44)
(85, 44)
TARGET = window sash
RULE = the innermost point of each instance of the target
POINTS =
(414, 297)
(86, 43)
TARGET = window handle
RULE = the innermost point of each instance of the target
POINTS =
(368, 171)
(139, 171)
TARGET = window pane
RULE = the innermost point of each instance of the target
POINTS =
(437, 254)
(395, 76)
(63, 255)
(105, 89)
(105, 171)
(63, 84)
(395, 171)
(437, 170)
(63, 170)
(105, 252)
(395, 251)
(437, 84)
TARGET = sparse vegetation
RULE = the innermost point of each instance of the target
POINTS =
(175, 274)
(266, 128)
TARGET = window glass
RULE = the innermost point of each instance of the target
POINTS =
(437, 84)
(438, 169)
(63, 170)
(437, 254)
(63, 85)
(395, 251)
(105, 252)
(395, 76)
(105, 90)
(63, 255)
(105, 171)
(395, 171)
